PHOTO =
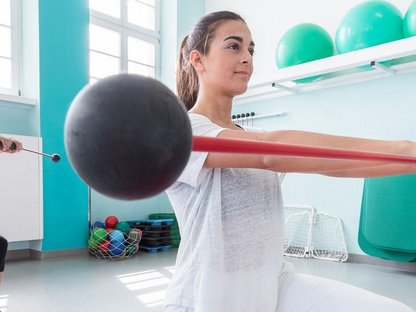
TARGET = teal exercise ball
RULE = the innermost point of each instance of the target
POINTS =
(123, 226)
(303, 43)
(409, 21)
(368, 24)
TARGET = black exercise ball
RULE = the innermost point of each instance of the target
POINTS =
(128, 136)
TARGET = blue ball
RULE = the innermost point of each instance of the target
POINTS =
(99, 224)
(116, 249)
(116, 236)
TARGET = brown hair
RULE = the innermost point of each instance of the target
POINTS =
(187, 84)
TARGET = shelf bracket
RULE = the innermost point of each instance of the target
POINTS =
(285, 88)
(382, 67)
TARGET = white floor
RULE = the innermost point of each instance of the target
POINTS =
(85, 283)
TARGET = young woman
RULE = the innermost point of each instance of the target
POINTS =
(229, 206)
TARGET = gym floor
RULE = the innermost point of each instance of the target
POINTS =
(86, 283)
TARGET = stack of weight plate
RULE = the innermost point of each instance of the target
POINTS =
(155, 234)
(175, 237)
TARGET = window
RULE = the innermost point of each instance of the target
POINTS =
(124, 37)
(9, 45)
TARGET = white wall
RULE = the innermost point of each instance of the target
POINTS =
(382, 109)
(103, 206)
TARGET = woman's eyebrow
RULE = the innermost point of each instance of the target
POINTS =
(239, 39)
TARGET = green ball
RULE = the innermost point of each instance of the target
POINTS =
(99, 235)
(368, 24)
(92, 244)
(303, 43)
(123, 226)
(409, 21)
(132, 249)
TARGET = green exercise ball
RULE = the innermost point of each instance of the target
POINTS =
(409, 21)
(368, 24)
(99, 235)
(303, 43)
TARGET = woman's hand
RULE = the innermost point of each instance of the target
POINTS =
(10, 145)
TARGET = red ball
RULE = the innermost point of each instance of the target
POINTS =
(104, 246)
(111, 222)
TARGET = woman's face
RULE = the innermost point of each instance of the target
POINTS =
(228, 65)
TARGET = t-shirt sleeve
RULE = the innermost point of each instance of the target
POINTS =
(195, 171)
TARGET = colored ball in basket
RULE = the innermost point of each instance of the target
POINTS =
(128, 136)
(92, 244)
(368, 24)
(132, 249)
(123, 226)
(103, 247)
(99, 224)
(409, 21)
(116, 249)
(99, 235)
(111, 222)
(116, 236)
(303, 43)
(135, 235)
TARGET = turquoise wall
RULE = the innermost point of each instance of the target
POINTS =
(63, 56)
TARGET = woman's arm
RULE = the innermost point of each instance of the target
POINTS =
(330, 167)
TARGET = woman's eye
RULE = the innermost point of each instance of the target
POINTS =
(251, 51)
(234, 46)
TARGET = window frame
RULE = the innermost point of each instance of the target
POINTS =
(126, 30)
(16, 53)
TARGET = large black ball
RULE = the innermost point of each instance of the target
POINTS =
(128, 136)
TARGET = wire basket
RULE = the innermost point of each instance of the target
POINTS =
(114, 243)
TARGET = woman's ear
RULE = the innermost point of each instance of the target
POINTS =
(195, 57)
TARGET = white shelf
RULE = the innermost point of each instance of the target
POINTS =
(342, 69)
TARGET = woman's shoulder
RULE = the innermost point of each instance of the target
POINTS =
(195, 117)
(202, 125)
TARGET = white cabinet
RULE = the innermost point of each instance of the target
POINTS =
(21, 199)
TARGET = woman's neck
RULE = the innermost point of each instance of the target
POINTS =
(216, 108)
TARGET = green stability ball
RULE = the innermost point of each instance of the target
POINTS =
(409, 21)
(303, 43)
(368, 24)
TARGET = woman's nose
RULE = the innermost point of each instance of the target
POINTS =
(246, 59)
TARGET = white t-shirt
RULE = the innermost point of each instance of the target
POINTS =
(231, 225)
